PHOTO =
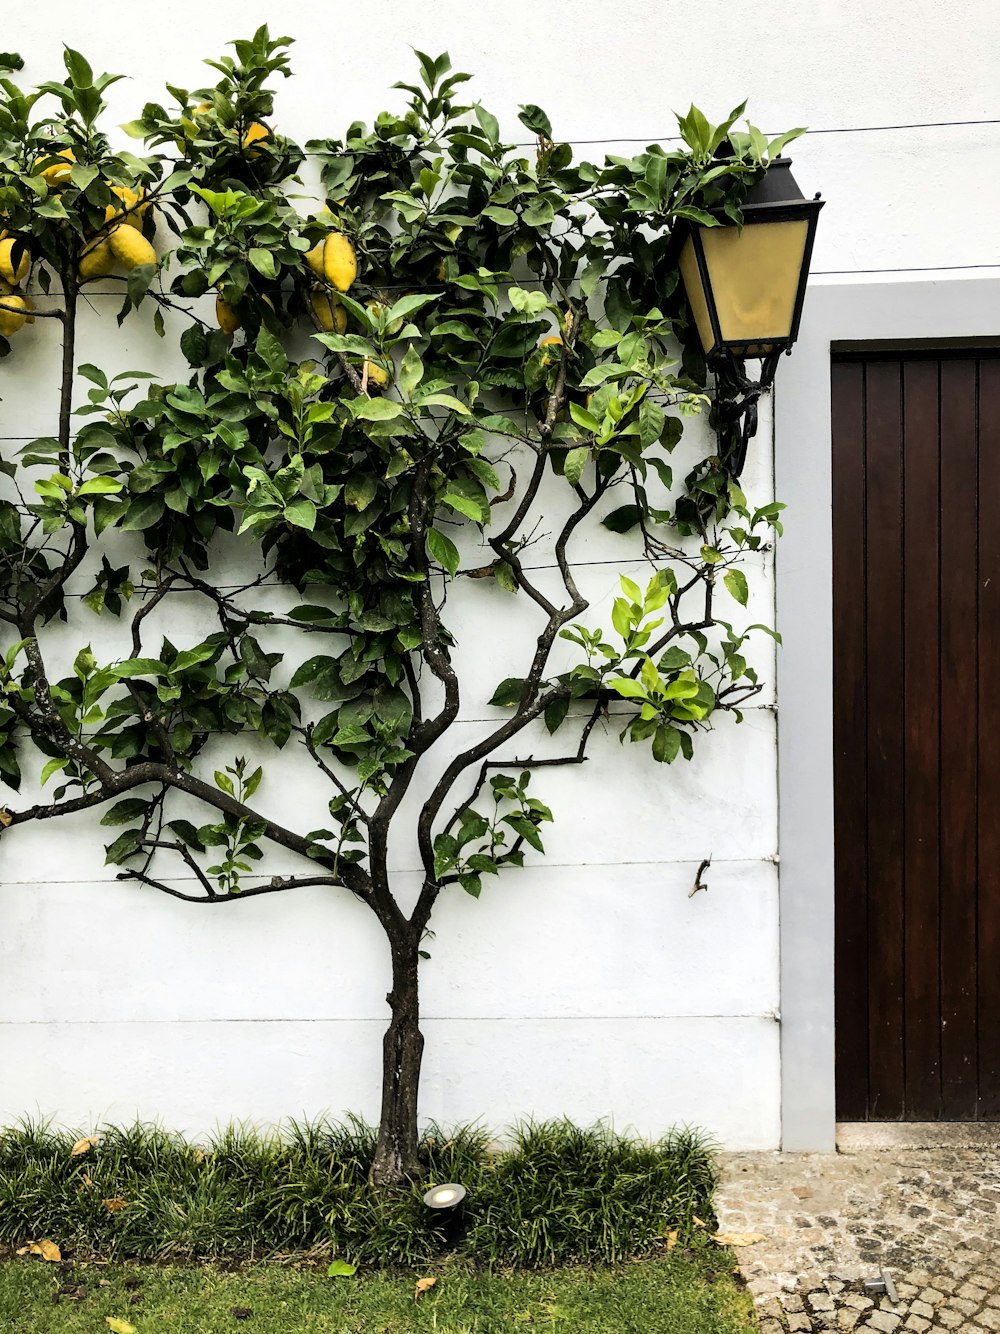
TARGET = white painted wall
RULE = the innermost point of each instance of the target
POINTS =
(590, 984)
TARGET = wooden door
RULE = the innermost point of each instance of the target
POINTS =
(916, 522)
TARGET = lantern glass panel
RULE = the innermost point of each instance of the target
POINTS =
(755, 276)
(695, 289)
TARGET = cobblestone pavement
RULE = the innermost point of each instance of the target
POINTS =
(929, 1217)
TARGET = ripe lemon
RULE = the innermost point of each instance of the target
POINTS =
(131, 247)
(255, 133)
(8, 272)
(13, 320)
(377, 374)
(340, 263)
(227, 318)
(330, 314)
(130, 206)
(96, 260)
(314, 258)
(57, 170)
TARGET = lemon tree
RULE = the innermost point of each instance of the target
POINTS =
(385, 392)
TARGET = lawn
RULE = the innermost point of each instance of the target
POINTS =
(691, 1293)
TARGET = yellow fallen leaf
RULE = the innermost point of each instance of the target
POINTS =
(738, 1238)
(698, 1222)
(423, 1285)
(114, 1204)
(83, 1146)
(22, 1250)
(48, 1250)
(671, 1239)
(119, 1326)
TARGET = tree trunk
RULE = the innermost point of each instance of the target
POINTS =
(396, 1154)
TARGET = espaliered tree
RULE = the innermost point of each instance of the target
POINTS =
(477, 326)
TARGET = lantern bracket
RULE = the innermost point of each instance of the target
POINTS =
(736, 398)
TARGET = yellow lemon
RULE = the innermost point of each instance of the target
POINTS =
(96, 260)
(330, 315)
(227, 318)
(314, 258)
(13, 314)
(549, 342)
(57, 170)
(255, 133)
(8, 272)
(376, 374)
(340, 263)
(130, 206)
(131, 247)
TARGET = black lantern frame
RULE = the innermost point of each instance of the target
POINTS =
(775, 198)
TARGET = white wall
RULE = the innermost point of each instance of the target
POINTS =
(590, 984)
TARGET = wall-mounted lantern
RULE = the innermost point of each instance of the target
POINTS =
(745, 286)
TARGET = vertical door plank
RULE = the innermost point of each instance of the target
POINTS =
(921, 454)
(989, 732)
(885, 738)
(959, 742)
(849, 712)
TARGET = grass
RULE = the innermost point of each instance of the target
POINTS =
(680, 1294)
(557, 1195)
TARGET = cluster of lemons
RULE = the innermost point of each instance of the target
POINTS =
(119, 242)
(15, 306)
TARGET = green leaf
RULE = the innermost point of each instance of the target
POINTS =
(666, 744)
(555, 714)
(302, 514)
(341, 1269)
(627, 688)
(376, 409)
(535, 119)
(623, 519)
(100, 486)
(443, 550)
(263, 261)
(508, 693)
(736, 582)
(124, 811)
(409, 305)
(576, 461)
(411, 371)
(51, 768)
(123, 847)
(142, 512)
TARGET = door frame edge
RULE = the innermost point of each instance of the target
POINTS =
(932, 308)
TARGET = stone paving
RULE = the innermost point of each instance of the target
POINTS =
(929, 1217)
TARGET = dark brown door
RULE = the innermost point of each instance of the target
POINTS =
(916, 521)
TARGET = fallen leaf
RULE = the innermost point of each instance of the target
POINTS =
(83, 1145)
(5, 817)
(199, 1157)
(119, 1326)
(22, 1250)
(423, 1285)
(697, 1221)
(671, 1239)
(114, 1204)
(738, 1238)
(802, 1192)
(241, 1312)
(341, 1269)
(48, 1250)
